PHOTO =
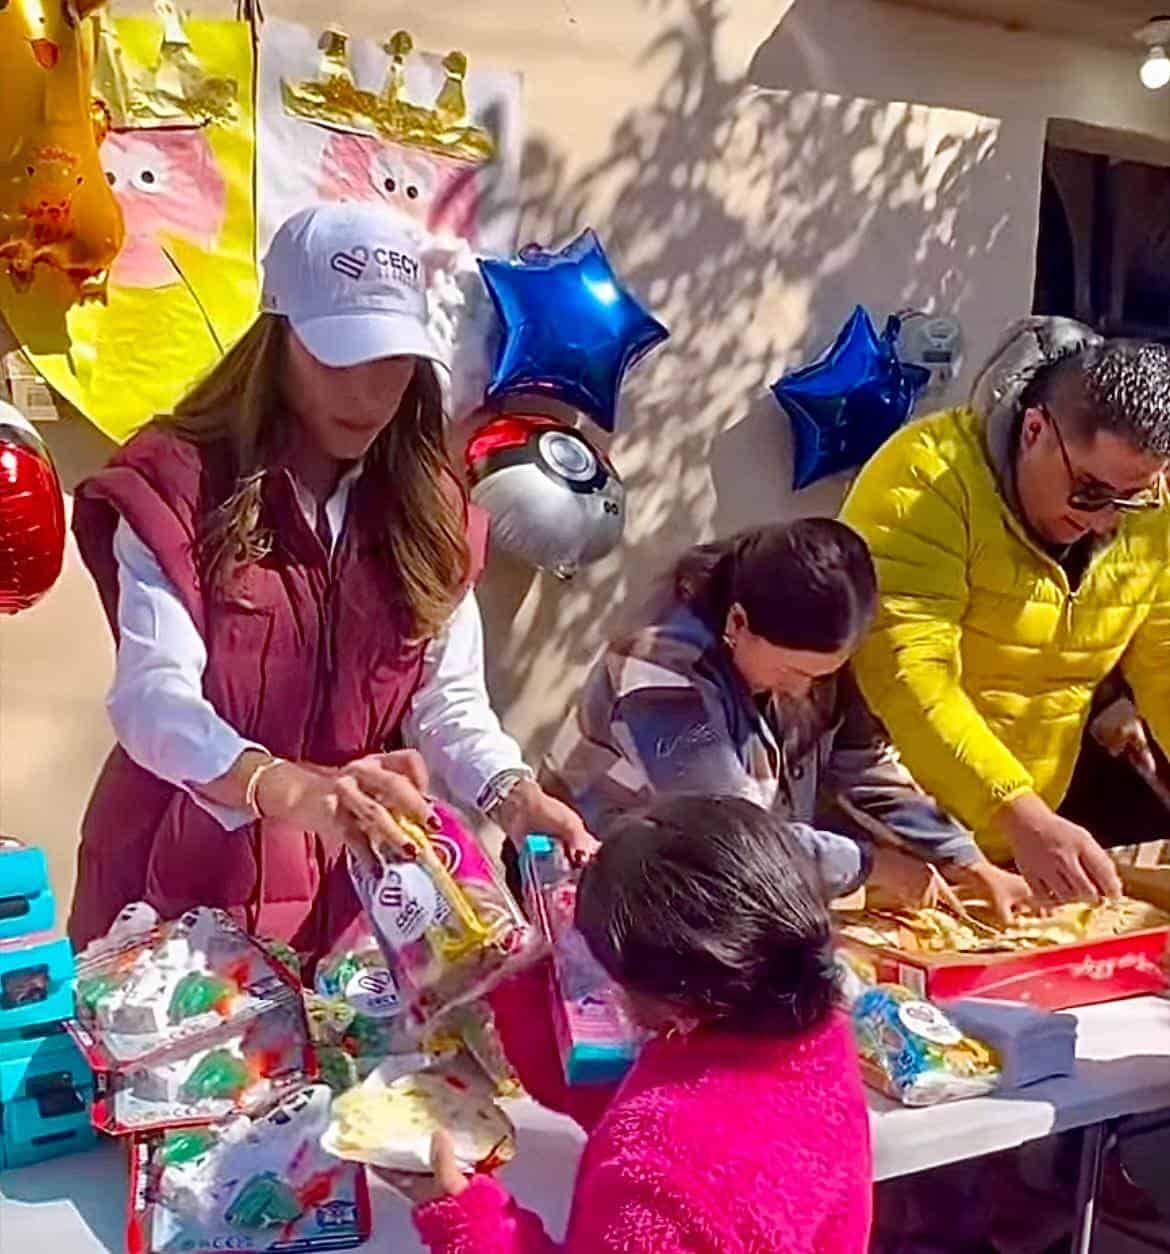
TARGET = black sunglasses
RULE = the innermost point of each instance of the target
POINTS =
(1092, 500)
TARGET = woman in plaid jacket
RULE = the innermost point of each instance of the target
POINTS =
(736, 682)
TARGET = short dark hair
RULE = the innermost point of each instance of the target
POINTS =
(1121, 386)
(808, 584)
(709, 902)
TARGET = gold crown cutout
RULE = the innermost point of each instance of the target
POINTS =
(335, 101)
(176, 93)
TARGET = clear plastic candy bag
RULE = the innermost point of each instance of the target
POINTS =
(912, 1052)
(446, 922)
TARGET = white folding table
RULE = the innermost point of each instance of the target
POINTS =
(77, 1205)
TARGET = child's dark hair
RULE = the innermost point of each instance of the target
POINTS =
(710, 903)
(808, 584)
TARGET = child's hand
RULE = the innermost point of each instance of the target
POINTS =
(445, 1180)
(449, 1179)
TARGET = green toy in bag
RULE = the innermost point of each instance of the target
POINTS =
(218, 1074)
(264, 1202)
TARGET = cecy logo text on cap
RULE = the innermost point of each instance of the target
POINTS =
(353, 263)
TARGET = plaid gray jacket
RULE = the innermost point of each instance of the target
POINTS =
(663, 709)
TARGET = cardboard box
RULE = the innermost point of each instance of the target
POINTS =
(1056, 978)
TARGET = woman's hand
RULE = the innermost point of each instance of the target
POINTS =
(899, 882)
(528, 808)
(1004, 891)
(356, 804)
(445, 1180)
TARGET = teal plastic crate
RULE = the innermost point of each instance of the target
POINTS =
(46, 1090)
(26, 900)
(36, 982)
(27, 1056)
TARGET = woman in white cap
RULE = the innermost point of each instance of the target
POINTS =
(287, 562)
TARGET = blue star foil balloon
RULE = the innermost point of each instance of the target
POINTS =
(571, 331)
(843, 407)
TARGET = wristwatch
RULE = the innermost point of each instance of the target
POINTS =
(499, 788)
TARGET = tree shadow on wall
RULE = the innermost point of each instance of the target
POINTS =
(751, 220)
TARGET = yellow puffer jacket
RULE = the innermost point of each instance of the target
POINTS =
(983, 660)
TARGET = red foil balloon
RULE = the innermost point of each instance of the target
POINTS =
(32, 515)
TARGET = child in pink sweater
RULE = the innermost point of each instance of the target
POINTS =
(742, 1128)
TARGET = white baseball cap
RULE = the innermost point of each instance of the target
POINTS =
(352, 281)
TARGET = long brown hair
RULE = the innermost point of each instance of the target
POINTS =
(239, 404)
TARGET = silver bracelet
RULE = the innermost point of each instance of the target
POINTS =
(499, 788)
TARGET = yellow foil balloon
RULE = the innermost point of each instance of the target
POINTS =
(56, 208)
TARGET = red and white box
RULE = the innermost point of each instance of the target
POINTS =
(1056, 978)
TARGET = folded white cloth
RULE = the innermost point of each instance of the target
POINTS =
(1032, 1044)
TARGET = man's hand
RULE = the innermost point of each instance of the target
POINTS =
(1120, 732)
(1059, 859)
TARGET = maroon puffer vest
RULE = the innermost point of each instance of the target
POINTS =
(306, 656)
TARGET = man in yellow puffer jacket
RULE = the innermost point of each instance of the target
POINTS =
(1023, 554)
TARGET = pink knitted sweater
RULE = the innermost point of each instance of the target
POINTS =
(716, 1143)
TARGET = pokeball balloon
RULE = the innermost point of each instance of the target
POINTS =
(32, 515)
(554, 500)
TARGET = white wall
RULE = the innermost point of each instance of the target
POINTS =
(754, 172)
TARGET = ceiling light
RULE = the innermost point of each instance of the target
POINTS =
(1155, 67)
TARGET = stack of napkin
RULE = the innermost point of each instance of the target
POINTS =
(1032, 1044)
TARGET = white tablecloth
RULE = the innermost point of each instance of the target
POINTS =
(75, 1205)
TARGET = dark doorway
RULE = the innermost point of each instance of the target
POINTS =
(1103, 249)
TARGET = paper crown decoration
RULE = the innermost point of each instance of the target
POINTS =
(334, 100)
(176, 93)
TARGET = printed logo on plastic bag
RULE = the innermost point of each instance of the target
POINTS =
(373, 992)
(922, 1019)
(406, 903)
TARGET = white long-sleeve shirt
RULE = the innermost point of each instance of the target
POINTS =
(167, 725)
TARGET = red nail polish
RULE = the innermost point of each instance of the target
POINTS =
(435, 823)
(409, 852)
